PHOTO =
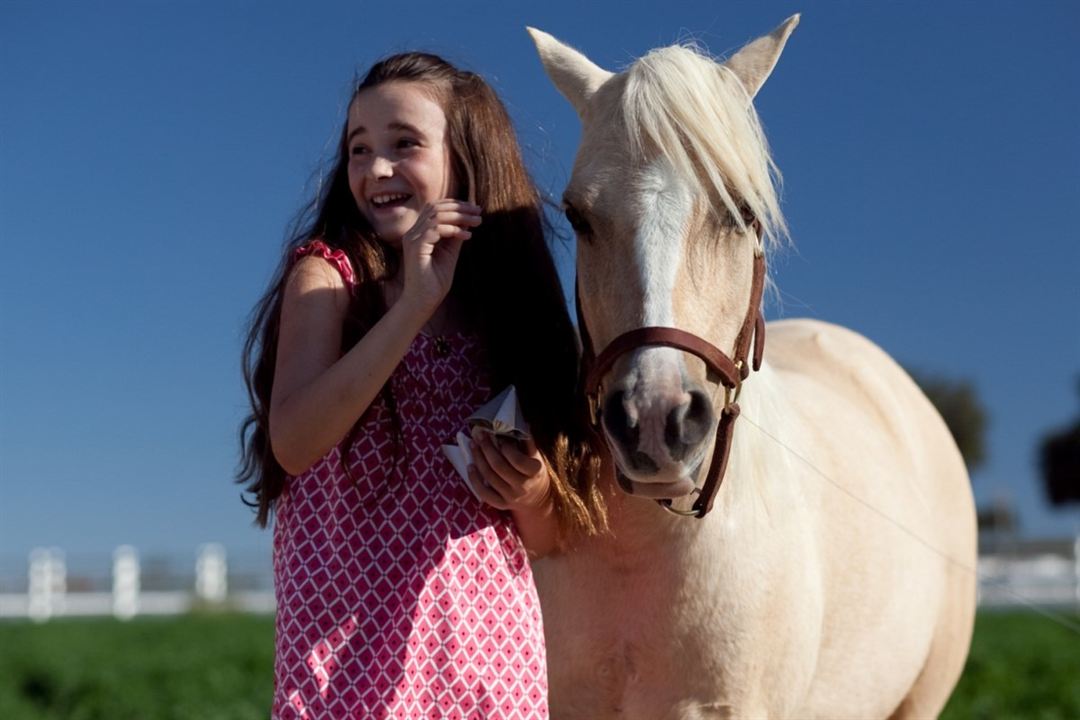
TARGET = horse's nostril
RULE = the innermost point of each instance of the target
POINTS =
(699, 419)
(619, 425)
(687, 424)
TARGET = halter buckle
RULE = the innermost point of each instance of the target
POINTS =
(593, 401)
(731, 394)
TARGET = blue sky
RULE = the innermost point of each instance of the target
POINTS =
(152, 155)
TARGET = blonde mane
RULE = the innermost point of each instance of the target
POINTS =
(695, 112)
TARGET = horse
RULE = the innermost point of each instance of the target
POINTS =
(828, 571)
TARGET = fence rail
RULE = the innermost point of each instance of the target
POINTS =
(1047, 577)
(1042, 574)
(133, 587)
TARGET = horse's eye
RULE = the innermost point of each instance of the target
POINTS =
(748, 216)
(577, 221)
(745, 213)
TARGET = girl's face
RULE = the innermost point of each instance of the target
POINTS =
(399, 156)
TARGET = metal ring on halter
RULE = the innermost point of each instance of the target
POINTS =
(666, 504)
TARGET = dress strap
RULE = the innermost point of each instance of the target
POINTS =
(336, 257)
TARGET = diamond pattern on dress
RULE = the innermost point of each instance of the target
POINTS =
(399, 594)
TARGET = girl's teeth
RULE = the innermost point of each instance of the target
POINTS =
(384, 199)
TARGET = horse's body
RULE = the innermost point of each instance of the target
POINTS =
(834, 576)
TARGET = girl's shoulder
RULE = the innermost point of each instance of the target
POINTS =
(337, 258)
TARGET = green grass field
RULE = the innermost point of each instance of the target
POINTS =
(219, 667)
(210, 667)
(1022, 667)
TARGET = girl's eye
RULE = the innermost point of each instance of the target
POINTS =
(358, 150)
(578, 221)
(407, 143)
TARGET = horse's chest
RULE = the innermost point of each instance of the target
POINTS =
(616, 648)
(632, 635)
(600, 685)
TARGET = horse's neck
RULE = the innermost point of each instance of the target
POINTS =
(758, 482)
(642, 533)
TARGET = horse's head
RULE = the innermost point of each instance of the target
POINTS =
(672, 198)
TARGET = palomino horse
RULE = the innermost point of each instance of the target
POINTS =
(834, 576)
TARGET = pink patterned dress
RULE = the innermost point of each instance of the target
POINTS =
(399, 595)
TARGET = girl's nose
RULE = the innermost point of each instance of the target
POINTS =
(381, 167)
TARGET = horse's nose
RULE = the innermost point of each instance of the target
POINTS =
(687, 424)
(623, 427)
(674, 425)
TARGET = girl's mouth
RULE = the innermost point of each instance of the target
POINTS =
(384, 201)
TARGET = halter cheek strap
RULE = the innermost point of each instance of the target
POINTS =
(729, 372)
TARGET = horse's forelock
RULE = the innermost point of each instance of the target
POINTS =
(681, 104)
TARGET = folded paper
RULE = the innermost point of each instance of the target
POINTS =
(501, 416)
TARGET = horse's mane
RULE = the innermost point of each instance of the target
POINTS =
(697, 114)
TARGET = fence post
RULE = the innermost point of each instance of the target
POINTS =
(1076, 567)
(211, 574)
(48, 583)
(125, 582)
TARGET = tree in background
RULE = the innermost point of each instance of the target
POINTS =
(962, 411)
(1059, 459)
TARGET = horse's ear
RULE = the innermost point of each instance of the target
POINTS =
(575, 75)
(755, 61)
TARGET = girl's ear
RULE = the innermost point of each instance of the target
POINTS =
(470, 183)
(463, 181)
(466, 183)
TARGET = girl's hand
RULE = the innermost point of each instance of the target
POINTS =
(507, 477)
(430, 250)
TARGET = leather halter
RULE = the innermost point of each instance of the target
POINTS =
(729, 372)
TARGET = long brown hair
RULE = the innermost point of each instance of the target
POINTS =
(530, 343)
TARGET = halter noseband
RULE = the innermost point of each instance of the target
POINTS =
(730, 372)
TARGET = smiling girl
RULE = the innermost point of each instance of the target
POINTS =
(422, 286)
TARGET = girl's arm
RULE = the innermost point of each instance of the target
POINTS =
(517, 480)
(318, 394)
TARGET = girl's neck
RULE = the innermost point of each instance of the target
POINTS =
(448, 318)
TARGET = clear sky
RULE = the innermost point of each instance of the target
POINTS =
(152, 155)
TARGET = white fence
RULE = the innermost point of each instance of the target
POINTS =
(1045, 574)
(51, 590)
(1015, 574)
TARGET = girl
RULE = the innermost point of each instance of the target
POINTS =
(423, 286)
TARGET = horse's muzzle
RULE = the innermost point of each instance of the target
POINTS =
(658, 433)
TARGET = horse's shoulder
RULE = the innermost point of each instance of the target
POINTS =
(802, 341)
(845, 367)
